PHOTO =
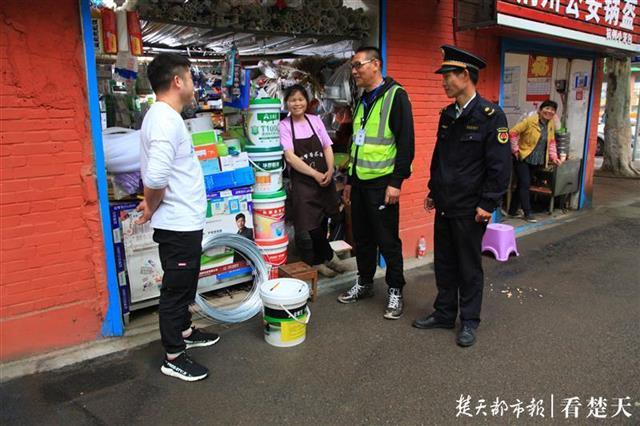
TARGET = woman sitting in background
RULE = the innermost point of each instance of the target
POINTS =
(533, 144)
(307, 149)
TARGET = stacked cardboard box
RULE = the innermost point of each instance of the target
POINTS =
(137, 259)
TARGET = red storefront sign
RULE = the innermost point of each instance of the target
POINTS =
(608, 23)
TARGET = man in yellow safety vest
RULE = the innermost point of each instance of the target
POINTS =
(382, 150)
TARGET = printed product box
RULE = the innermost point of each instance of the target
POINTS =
(210, 167)
(241, 160)
(143, 265)
(117, 212)
(226, 163)
(206, 152)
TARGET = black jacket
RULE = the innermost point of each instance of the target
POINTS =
(471, 163)
(401, 125)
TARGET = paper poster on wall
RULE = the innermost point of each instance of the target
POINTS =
(539, 78)
(511, 87)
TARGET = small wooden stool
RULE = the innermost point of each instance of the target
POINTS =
(301, 271)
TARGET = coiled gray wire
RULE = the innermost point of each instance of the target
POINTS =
(252, 304)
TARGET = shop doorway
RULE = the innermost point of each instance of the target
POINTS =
(530, 78)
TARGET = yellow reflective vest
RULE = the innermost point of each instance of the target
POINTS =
(377, 156)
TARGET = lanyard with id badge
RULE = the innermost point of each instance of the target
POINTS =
(361, 133)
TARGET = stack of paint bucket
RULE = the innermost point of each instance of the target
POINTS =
(266, 158)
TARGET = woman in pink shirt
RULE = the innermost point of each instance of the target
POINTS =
(307, 150)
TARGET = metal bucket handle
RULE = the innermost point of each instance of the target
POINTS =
(296, 319)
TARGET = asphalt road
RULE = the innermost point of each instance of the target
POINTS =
(560, 321)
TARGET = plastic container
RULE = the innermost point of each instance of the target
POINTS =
(422, 247)
(285, 312)
(268, 217)
(275, 254)
(268, 165)
(262, 122)
(233, 144)
(223, 149)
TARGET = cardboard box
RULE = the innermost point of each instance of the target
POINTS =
(241, 160)
(118, 212)
(227, 164)
(210, 166)
(144, 270)
(206, 152)
(234, 162)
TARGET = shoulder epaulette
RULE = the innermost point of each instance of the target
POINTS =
(489, 111)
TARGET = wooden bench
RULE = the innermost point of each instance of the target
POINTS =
(303, 272)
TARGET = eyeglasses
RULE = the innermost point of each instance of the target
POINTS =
(358, 65)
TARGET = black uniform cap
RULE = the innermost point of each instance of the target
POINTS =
(456, 59)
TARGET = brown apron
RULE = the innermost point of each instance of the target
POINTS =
(311, 203)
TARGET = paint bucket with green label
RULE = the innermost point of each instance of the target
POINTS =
(262, 122)
(268, 165)
(285, 312)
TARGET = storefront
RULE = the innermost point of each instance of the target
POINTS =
(243, 57)
(533, 49)
(554, 50)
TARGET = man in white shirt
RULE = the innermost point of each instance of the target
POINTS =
(175, 203)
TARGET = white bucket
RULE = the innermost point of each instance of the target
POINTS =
(274, 253)
(268, 165)
(268, 217)
(285, 311)
(262, 122)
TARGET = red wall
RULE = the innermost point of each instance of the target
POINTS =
(52, 286)
(415, 31)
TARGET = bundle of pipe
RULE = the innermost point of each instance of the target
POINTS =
(252, 304)
(312, 16)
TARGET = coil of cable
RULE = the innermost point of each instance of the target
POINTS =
(252, 304)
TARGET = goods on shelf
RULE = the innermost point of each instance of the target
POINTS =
(262, 121)
(137, 259)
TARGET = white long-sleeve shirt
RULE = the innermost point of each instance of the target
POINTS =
(168, 160)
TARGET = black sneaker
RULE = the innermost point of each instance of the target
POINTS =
(530, 218)
(357, 292)
(395, 304)
(199, 339)
(184, 368)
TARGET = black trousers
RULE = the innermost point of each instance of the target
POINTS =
(180, 258)
(458, 267)
(376, 226)
(313, 246)
(521, 196)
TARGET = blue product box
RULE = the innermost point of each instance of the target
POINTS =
(210, 166)
(230, 179)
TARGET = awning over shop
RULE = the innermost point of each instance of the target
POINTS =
(202, 40)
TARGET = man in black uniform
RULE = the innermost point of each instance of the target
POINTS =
(470, 172)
